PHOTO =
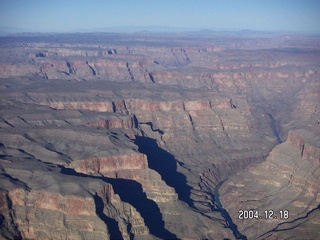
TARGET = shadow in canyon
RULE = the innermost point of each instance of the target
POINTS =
(230, 224)
(110, 222)
(274, 128)
(166, 165)
(130, 192)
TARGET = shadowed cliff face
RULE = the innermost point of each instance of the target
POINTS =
(166, 165)
(131, 192)
(128, 136)
(110, 223)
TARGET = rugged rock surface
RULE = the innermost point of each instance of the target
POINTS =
(288, 180)
(169, 120)
(34, 155)
(89, 175)
(128, 136)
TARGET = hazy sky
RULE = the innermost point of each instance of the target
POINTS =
(72, 15)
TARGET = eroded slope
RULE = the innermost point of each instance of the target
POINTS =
(288, 181)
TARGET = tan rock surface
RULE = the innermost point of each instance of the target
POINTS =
(282, 183)
(91, 178)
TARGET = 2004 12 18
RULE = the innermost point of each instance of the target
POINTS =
(267, 214)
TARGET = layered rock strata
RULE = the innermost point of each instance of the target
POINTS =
(90, 176)
(139, 130)
(33, 199)
(211, 125)
(283, 186)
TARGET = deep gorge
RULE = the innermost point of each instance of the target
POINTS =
(132, 136)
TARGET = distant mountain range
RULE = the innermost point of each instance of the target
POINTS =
(7, 30)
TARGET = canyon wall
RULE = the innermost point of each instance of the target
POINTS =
(283, 186)
(87, 177)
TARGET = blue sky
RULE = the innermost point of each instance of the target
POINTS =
(72, 15)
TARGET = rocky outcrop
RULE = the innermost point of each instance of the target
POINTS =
(48, 206)
(110, 164)
(57, 206)
(283, 186)
(89, 177)
(32, 199)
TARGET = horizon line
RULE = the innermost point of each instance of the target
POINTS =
(10, 31)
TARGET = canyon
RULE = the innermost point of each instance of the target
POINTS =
(159, 136)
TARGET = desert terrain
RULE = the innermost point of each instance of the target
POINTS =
(160, 136)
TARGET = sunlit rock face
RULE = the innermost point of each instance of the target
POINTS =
(127, 136)
(287, 184)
